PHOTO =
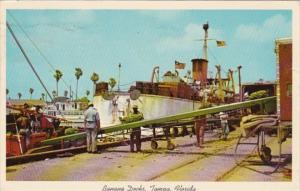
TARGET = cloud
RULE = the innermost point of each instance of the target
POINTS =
(276, 26)
(188, 39)
(81, 16)
(65, 20)
(165, 15)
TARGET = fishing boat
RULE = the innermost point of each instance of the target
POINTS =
(64, 108)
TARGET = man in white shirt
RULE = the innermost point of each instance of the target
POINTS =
(224, 124)
(91, 125)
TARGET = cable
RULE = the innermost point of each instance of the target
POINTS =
(35, 45)
(127, 83)
(216, 60)
(212, 54)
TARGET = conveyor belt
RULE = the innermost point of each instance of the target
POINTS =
(171, 118)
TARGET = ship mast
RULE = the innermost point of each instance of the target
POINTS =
(27, 59)
(205, 27)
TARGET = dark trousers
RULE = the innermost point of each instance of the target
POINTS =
(200, 128)
(135, 138)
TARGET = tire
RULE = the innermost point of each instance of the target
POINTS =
(266, 155)
(154, 145)
(170, 146)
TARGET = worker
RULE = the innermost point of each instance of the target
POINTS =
(135, 135)
(92, 126)
(200, 124)
(128, 106)
(35, 119)
(201, 94)
(246, 96)
(224, 125)
(114, 108)
(23, 124)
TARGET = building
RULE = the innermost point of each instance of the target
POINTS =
(283, 51)
(249, 88)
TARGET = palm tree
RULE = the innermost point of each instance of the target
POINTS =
(54, 93)
(87, 93)
(19, 95)
(78, 74)
(112, 82)
(7, 92)
(31, 90)
(58, 74)
(94, 78)
(43, 96)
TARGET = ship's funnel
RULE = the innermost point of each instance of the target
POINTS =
(200, 69)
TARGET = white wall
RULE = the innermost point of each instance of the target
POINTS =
(150, 105)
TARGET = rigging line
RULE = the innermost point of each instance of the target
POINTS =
(27, 59)
(35, 45)
(127, 83)
(212, 54)
(216, 60)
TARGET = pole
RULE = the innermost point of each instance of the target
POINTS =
(27, 59)
(70, 93)
(194, 93)
(240, 83)
(119, 76)
(18, 136)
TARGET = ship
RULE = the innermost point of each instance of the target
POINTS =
(69, 110)
(174, 94)
(195, 85)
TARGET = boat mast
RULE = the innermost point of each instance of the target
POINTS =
(205, 27)
(27, 59)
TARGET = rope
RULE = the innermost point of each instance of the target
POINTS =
(217, 61)
(127, 83)
(35, 45)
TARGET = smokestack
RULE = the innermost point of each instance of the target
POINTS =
(200, 69)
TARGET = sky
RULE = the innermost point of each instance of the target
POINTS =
(98, 40)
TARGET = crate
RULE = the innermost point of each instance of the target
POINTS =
(13, 145)
(36, 138)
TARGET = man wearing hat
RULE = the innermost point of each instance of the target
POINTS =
(91, 125)
(224, 125)
(135, 136)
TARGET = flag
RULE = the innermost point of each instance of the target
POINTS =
(220, 43)
(179, 65)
